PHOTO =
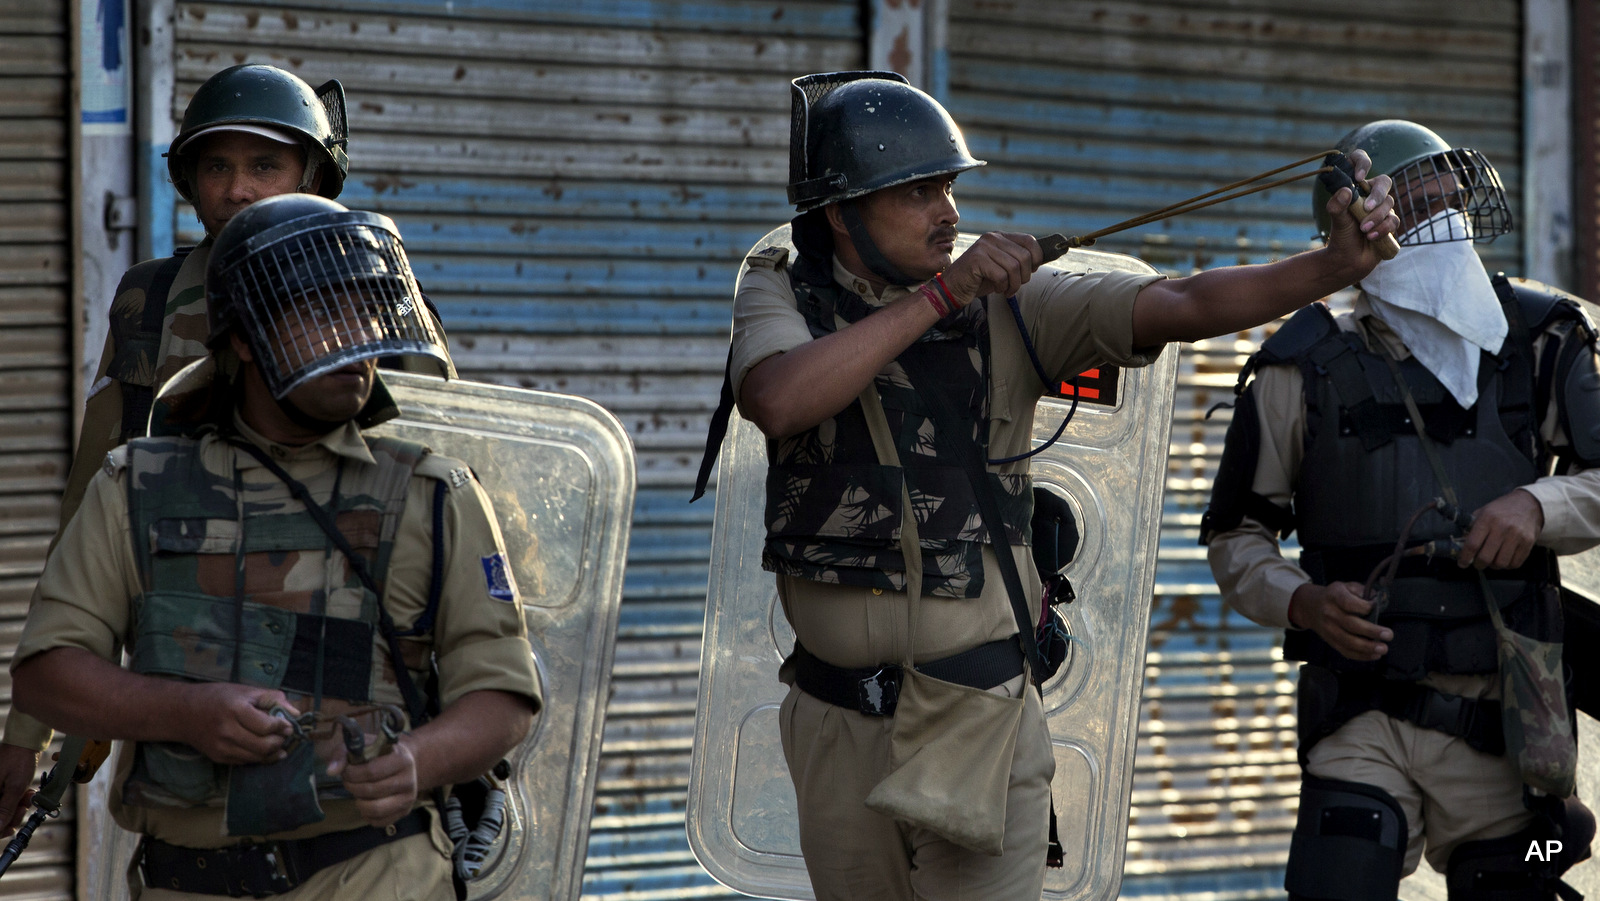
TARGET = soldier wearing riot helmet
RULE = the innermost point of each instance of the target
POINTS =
(249, 132)
(876, 302)
(1401, 706)
(299, 579)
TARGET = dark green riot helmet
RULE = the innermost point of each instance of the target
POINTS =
(852, 133)
(1430, 178)
(271, 102)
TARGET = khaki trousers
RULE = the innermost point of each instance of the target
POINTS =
(835, 758)
(1449, 792)
(411, 869)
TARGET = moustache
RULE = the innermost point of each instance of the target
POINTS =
(943, 234)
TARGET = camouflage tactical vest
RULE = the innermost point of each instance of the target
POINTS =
(156, 330)
(1365, 473)
(241, 585)
(833, 511)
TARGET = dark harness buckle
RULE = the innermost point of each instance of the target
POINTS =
(258, 870)
(877, 694)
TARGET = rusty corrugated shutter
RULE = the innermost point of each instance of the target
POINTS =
(1092, 112)
(35, 352)
(577, 184)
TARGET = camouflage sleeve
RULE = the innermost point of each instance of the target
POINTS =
(84, 594)
(479, 635)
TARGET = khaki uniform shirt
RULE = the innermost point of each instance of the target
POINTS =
(183, 340)
(1076, 321)
(1255, 578)
(90, 581)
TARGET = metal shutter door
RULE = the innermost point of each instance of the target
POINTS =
(1090, 113)
(577, 184)
(36, 367)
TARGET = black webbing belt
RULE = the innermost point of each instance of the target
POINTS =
(950, 421)
(260, 869)
(1473, 721)
(875, 690)
(974, 457)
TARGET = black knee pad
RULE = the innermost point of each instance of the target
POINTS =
(1575, 828)
(1526, 865)
(1349, 843)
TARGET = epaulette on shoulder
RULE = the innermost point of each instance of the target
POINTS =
(448, 470)
(1541, 304)
(769, 258)
(1302, 332)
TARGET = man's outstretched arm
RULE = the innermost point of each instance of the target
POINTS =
(1219, 301)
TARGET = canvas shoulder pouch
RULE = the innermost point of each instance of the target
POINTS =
(951, 746)
(1533, 701)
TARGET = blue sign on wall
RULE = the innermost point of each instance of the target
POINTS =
(103, 51)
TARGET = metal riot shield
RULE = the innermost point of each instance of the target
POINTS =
(560, 473)
(1110, 465)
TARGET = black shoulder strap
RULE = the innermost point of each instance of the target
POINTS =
(1293, 340)
(408, 687)
(717, 431)
(972, 454)
(1038, 367)
(817, 307)
(1027, 341)
(136, 399)
(1309, 326)
(1537, 302)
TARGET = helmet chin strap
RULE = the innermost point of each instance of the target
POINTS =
(309, 177)
(867, 249)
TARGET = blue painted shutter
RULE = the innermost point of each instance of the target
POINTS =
(577, 184)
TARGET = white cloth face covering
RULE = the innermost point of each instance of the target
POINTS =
(1438, 299)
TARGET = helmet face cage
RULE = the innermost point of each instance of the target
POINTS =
(1460, 180)
(331, 94)
(324, 295)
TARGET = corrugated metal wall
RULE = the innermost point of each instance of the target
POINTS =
(35, 350)
(577, 184)
(1092, 112)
